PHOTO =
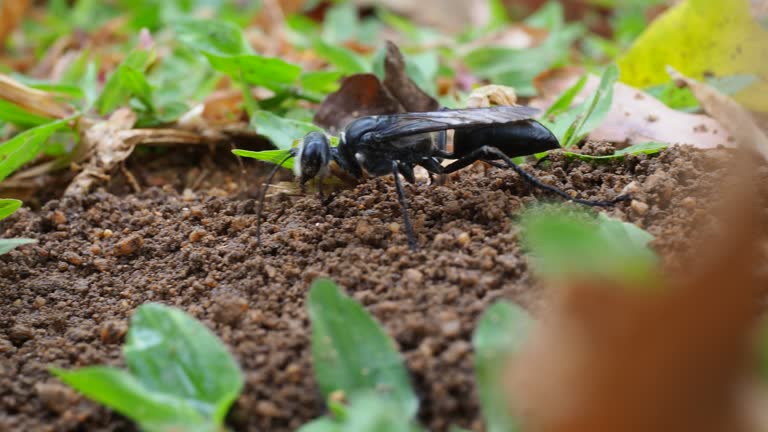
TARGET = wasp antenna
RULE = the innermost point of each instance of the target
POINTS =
(263, 195)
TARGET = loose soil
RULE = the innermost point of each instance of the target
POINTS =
(66, 301)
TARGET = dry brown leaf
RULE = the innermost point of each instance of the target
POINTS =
(635, 116)
(401, 86)
(33, 100)
(735, 118)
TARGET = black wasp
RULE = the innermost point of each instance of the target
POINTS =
(395, 144)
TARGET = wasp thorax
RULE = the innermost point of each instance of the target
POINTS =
(313, 157)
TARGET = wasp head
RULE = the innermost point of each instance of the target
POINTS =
(313, 157)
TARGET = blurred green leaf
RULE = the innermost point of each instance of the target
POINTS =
(346, 60)
(8, 206)
(321, 82)
(281, 131)
(7, 245)
(518, 67)
(271, 156)
(218, 38)
(180, 376)
(370, 412)
(17, 115)
(341, 23)
(169, 351)
(272, 73)
(352, 353)
(322, 424)
(646, 148)
(25, 146)
(501, 332)
(126, 394)
(566, 244)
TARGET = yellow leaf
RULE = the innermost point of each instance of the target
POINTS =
(701, 37)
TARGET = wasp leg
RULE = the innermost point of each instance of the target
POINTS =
(404, 207)
(487, 152)
(407, 172)
(442, 145)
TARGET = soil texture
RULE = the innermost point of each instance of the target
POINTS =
(66, 301)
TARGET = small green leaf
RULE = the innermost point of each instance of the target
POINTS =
(7, 245)
(567, 244)
(322, 424)
(171, 352)
(500, 333)
(219, 38)
(351, 352)
(322, 82)
(271, 156)
(25, 146)
(646, 148)
(592, 111)
(124, 393)
(8, 206)
(15, 114)
(272, 73)
(281, 131)
(370, 412)
(126, 81)
(341, 23)
(565, 100)
(346, 60)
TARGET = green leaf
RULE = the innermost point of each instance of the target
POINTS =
(7, 245)
(565, 100)
(370, 412)
(322, 424)
(25, 146)
(341, 24)
(322, 82)
(15, 114)
(219, 38)
(500, 333)
(124, 393)
(281, 131)
(567, 244)
(346, 60)
(126, 81)
(518, 67)
(271, 156)
(171, 352)
(592, 111)
(352, 353)
(647, 148)
(272, 73)
(8, 206)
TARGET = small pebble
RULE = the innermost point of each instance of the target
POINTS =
(639, 207)
(413, 276)
(57, 217)
(196, 235)
(72, 258)
(128, 245)
(689, 202)
(267, 408)
(463, 239)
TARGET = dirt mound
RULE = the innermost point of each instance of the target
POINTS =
(66, 301)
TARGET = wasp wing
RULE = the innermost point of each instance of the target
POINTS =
(401, 125)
